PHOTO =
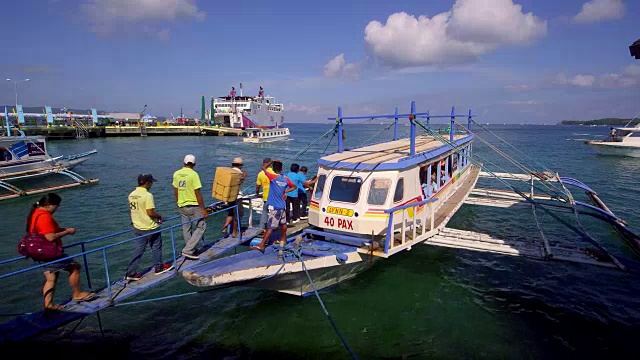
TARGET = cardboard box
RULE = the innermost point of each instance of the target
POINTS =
(226, 184)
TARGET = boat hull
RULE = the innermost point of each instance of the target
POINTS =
(334, 264)
(615, 149)
(266, 140)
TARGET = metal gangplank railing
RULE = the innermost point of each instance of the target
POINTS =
(114, 292)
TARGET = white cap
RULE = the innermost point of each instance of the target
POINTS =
(189, 159)
(238, 161)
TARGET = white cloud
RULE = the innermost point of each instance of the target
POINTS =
(337, 67)
(471, 28)
(517, 87)
(632, 70)
(107, 15)
(524, 102)
(582, 80)
(306, 109)
(577, 80)
(629, 77)
(600, 10)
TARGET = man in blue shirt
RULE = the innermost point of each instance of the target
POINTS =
(279, 185)
(293, 202)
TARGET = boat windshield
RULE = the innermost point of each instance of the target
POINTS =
(317, 194)
(345, 189)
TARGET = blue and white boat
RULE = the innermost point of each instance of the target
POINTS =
(623, 141)
(374, 201)
(369, 203)
(24, 157)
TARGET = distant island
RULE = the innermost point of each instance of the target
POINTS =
(606, 121)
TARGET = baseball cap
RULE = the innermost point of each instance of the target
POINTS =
(145, 178)
(189, 159)
(237, 160)
(265, 160)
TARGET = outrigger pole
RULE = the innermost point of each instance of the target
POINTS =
(412, 115)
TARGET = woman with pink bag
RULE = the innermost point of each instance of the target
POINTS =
(41, 221)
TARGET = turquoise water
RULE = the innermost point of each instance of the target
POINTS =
(425, 303)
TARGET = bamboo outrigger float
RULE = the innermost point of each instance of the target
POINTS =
(26, 157)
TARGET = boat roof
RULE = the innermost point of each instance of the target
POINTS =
(628, 129)
(392, 155)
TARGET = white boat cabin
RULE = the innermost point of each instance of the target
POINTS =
(356, 188)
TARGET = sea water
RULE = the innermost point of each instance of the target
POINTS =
(429, 302)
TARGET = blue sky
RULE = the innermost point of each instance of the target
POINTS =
(514, 61)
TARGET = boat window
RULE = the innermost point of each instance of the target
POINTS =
(454, 163)
(399, 194)
(378, 191)
(317, 193)
(345, 189)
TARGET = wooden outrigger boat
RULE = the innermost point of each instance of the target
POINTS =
(369, 203)
(26, 157)
(372, 202)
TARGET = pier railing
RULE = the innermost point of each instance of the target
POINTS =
(427, 212)
(84, 253)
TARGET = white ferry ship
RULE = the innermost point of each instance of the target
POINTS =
(243, 112)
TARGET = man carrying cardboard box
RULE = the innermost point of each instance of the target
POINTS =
(236, 165)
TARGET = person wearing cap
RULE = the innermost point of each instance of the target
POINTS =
(236, 165)
(145, 221)
(263, 182)
(186, 188)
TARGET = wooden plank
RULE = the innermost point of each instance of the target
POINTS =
(470, 240)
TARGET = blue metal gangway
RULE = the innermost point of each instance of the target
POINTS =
(31, 324)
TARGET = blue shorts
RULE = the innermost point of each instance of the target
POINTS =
(276, 218)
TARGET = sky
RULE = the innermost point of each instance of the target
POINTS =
(509, 61)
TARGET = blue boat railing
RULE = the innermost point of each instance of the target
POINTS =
(426, 212)
(103, 250)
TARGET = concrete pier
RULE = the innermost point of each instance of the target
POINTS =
(70, 132)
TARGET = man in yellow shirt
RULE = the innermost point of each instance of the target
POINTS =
(263, 181)
(186, 188)
(145, 221)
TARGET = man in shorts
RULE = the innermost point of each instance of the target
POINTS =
(262, 181)
(236, 165)
(279, 185)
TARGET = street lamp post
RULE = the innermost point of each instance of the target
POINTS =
(15, 88)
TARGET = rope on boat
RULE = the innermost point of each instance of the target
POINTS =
(508, 144)
(298, 254)
(444, 140)
(378, 133)
(535, 186)
(580, 230)
(526, 169)
(299, 153)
